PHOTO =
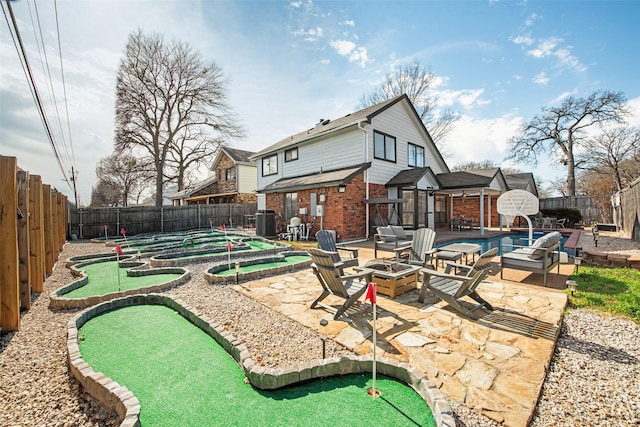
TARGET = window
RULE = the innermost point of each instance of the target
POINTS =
(230, 174)
(416, 155)
(291, 155)
(270, 165)
(290, 205)
(384, 146)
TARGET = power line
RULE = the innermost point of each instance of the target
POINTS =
(22, 54)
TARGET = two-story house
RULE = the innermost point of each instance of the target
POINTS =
(233, 181)
(368, 168)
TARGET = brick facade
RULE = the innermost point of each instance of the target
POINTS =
(344, 212)
(469, 207)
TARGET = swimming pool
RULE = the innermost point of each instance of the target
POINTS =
(521, 239)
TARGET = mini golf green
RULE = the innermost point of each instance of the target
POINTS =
(103, 279)
(288, 260)
(181, 376)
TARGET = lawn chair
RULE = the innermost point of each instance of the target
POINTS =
(421, 250)
(452, 288)
(561, 223)
(349, 287)
(327, 242)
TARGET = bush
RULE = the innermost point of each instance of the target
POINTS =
(573, 215)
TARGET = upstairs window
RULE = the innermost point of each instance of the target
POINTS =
(230, 174)
(270, 165)
(291, 155)
(416, 155)
(384, 146)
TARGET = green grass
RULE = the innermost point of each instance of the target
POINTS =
(611, 290)
(183, 377)
(103, 279)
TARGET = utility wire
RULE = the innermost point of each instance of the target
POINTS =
(47, 73)
(33, 87)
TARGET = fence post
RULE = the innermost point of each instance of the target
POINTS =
(9, 279)
(36, 234)
(23, 240)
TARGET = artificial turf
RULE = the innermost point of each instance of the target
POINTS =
(103, 279)
(183, 377)
(265, 266)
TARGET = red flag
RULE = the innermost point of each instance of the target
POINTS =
(119, 250)
(222, 227)
(371, 293)
(122, 231)
(229, 247)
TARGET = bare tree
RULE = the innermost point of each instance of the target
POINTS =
(187, 152)
(470, 166)
(614, 152)
(417, 82)
(124, 172)
(561, 131)
(165, 92)
(106, 193)
(599, 187)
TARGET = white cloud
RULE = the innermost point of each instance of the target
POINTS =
(550, 48)
(541, 78)
(349, 23)
(480, 139)
(351, 51)
(524, 40)
(467, 98)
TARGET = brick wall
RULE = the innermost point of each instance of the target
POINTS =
(469, 207)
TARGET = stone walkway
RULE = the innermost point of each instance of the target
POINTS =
(495, 365)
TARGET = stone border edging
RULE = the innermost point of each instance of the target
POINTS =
(117, 397)
(212, 278)
(59, 302)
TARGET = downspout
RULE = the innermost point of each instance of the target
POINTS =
(366, 176)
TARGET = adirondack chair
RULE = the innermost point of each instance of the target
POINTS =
(329, 273)
(421, 250)
(327, 242)
(452, 288)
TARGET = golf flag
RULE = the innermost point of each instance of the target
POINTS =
(119, 250)
(371, 293)
(123, 232)
(229, 247)
(222, 227)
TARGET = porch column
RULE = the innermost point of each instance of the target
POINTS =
(489, 206)
(482, 211)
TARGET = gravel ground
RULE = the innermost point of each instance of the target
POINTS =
(594, 379)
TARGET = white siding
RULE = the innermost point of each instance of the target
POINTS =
(342, 149)
(398, 121)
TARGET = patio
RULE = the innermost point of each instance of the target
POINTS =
(496, 364)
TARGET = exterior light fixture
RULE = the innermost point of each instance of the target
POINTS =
(577, 261)
(323, 336)
(572, 285)
(342, 188)
(237, 270)
(596, 234)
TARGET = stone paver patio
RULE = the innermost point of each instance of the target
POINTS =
(496, 364)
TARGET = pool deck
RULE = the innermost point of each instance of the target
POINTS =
(496, 364)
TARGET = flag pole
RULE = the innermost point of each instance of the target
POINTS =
(371, 295)
(118, 250)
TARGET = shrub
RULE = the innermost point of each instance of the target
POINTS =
(573, 215)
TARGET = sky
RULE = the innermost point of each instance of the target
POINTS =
(290, 63)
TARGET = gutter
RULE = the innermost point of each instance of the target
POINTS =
(366, 172)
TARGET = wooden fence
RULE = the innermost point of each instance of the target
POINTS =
(628, 211)
(586, 205)
(33, 223)
(87, 223)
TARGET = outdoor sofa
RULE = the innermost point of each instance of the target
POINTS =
(540, 257)
(390, 238)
